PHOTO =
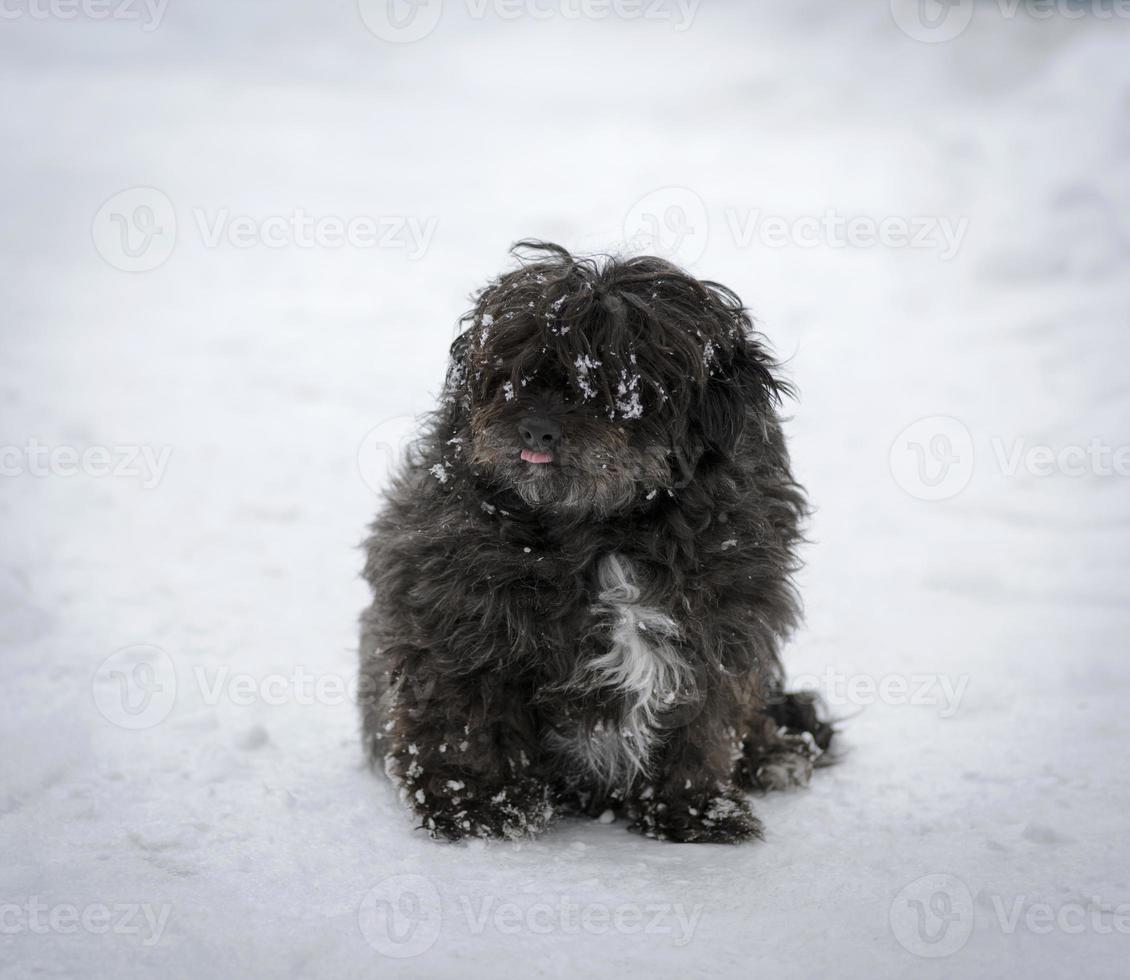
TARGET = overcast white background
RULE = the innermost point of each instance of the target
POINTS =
(236, 238)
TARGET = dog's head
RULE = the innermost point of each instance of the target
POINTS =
(586, 385)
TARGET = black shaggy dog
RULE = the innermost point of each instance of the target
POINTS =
(582, 574)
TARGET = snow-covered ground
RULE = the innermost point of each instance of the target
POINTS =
(181, 785)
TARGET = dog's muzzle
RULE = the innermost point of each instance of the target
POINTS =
(539, 436)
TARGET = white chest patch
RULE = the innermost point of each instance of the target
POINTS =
(642, 664)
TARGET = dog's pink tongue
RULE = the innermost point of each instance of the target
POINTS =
(531, 457)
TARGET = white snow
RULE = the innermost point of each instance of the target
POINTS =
(975, 644)
(628, 402)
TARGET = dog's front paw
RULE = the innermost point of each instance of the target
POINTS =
(721, 818)
(512, 812)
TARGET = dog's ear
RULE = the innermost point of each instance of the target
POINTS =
(739, 389)
(455, 404)
(455, 382)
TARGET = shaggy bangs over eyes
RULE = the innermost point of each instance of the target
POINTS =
(630, 339)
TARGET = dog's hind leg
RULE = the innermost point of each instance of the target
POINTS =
(786, 740)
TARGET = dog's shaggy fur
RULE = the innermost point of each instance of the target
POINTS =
(601, 631)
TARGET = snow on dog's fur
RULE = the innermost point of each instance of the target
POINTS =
(581, 575)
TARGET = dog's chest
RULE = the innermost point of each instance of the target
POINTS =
(637, 666)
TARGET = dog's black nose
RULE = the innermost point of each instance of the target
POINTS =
(539, 433)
